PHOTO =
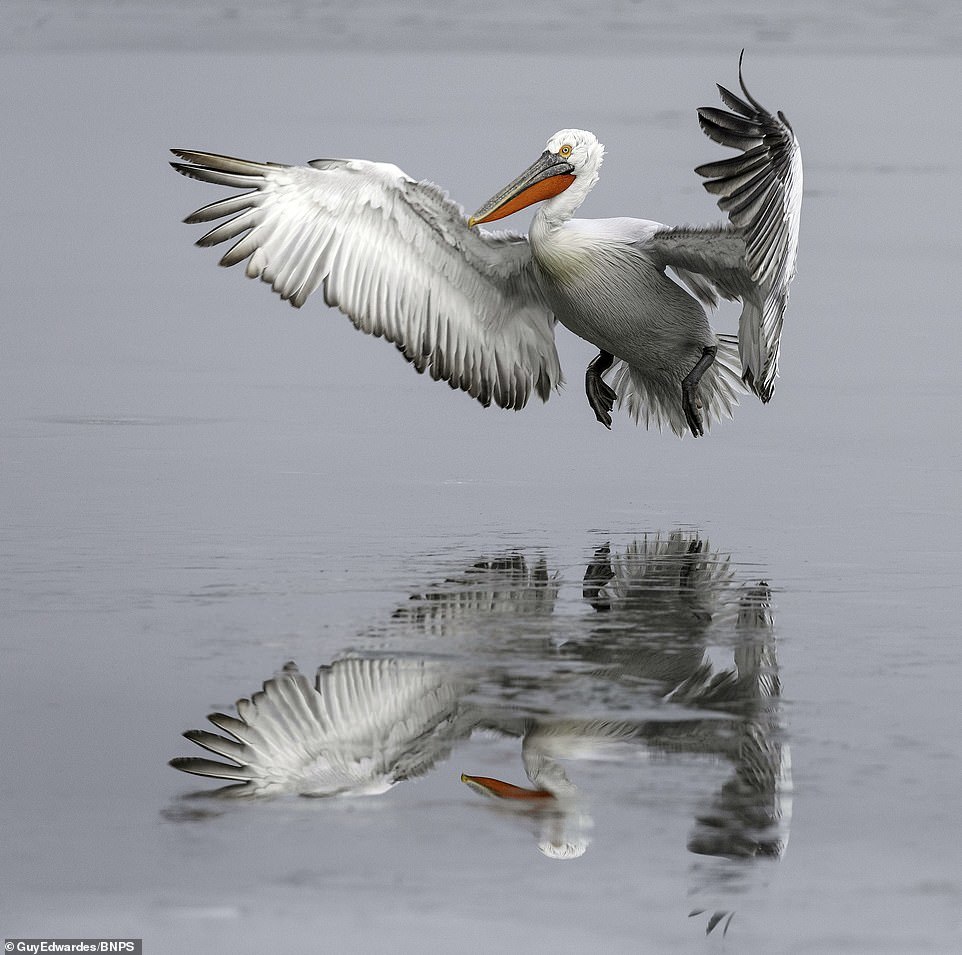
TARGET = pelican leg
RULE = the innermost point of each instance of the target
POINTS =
(601, 396)
(690, 398)
(597, 575)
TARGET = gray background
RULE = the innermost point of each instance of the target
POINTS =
(199, 483)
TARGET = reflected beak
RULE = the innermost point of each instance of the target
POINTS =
(501, 790)
(545, 178)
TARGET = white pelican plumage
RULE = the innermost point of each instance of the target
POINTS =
(359, 728)
(477, 309)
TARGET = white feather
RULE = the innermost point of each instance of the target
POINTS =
(362, 726)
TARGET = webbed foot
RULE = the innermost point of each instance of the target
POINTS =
(692, 404)
(601, 396)
(690, 396)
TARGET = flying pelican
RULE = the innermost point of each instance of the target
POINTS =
(477, 309)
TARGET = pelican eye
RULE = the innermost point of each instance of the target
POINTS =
(565, 150)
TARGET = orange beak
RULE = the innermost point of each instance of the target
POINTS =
(543, 179)
(501, 790)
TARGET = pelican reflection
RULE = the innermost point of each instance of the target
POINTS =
(664, 648)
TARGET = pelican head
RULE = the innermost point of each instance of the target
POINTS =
(571, 156)
(563, 821)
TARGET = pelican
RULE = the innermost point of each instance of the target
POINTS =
(477, 309)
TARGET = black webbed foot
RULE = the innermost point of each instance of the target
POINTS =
(601, 396)
(690, 395)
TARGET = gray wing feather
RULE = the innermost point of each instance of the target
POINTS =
(761, 191)
(752, 258)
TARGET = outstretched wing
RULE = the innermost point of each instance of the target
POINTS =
(396, 256)
(754, 259)
(363, 725)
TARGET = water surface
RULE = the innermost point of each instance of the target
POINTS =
(200, 484)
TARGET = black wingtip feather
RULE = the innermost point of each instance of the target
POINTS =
(208, 767)
(741, 82)
(727, 137)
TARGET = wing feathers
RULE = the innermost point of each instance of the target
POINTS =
(216, 176)
(219, 745)
(223, 207)
(754, 258)
(731, 174)
(397, 258)
(732, 132)
(210, 767)
(761, 190)
(228, 230)
(735, 102)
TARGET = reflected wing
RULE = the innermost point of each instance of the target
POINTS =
(363, 725)
(396, 256)
(483, 593)
(677, 574)
(761, 191)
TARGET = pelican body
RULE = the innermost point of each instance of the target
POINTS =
(477, 309)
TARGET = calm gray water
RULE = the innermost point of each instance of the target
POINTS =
(200, 484)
